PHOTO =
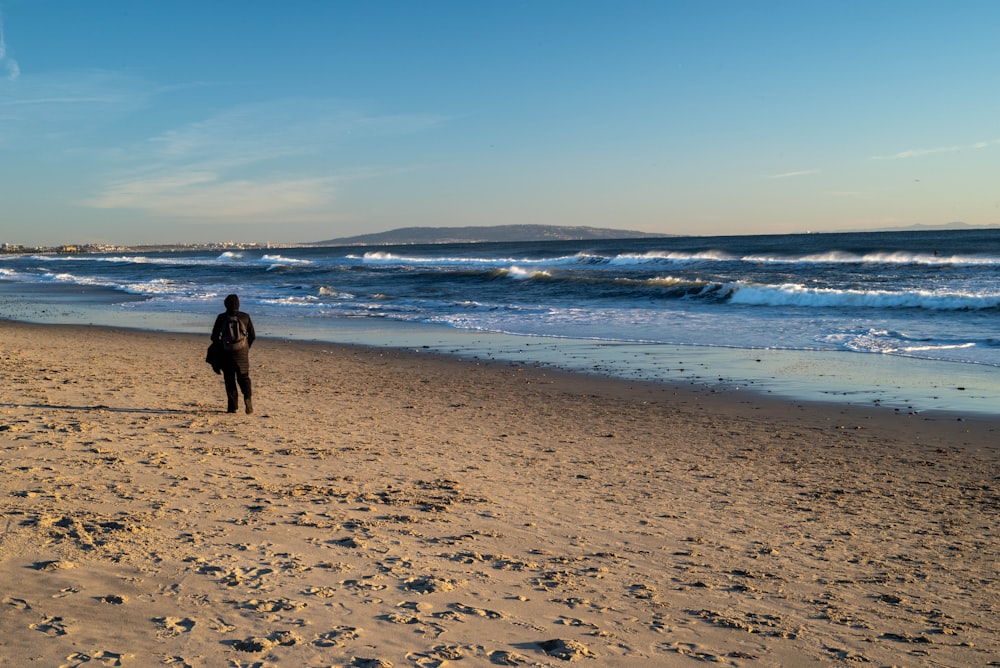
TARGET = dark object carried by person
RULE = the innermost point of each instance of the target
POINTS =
(214, 356)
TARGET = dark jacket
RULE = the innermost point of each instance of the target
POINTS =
(238, 358)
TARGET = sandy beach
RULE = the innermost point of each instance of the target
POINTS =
(396, 508)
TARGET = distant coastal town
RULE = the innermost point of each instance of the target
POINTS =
(69, 249)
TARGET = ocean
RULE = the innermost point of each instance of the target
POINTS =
(901, 319)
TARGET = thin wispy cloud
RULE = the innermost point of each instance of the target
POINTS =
(277, 160)
(923, 152)
(918, 153)
(64, 112)
(280, 128)
(208, 195)
(9, 64)
(62, 107)
(792, 175)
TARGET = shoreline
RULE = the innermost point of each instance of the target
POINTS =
(393, 507)
(900, 383)
(460, 350)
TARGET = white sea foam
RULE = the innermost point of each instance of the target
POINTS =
(525, 274)
(682, 258)
(326, 291)
(302, 300)
(277, 262)
(673, 281)
(387, 258)
(885, 258)
(65, 277)
(625, 259)
(894, 343)
(798, 295)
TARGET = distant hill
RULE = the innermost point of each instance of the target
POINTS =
(929, 227)
(925, 227)
(473, 234)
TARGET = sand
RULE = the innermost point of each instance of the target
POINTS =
(394, 508)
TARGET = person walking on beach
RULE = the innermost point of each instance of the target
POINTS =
(232, 336)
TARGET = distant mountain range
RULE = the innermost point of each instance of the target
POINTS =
(473, 234)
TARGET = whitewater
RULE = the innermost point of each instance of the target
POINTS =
(844, 306)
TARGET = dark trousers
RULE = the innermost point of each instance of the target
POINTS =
(234, 377)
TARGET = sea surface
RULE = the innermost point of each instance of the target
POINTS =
(903, 319)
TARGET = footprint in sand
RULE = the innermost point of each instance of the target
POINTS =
(359, 662)
(257, 645)
(170, 627)
(51, 565)
(439, 656)
(505, 658)
(19, 603)
(220, 625)
(430, 585)
(52, 626)
(78, 659)
(567, 650)
(695, 652)
(322, 592)
(177, 662)
(279, 605)
(66, 591)
(477, 612)
(337, 637)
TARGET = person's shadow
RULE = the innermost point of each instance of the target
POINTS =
(102, 407)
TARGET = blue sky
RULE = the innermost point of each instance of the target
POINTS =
(162, 122)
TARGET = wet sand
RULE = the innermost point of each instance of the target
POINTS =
(386, 507)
